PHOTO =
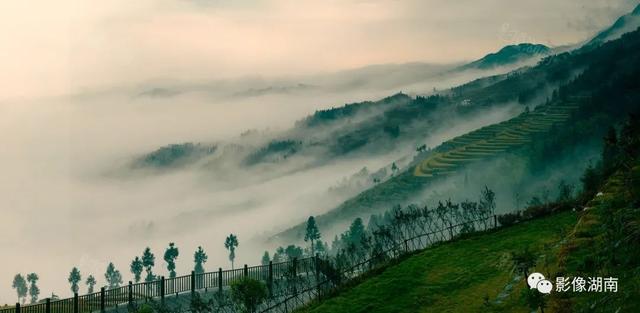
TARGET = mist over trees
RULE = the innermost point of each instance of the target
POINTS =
(136, 269)
(90, 282)
(20, 285)
(74, 279)
(112, 276)
(170, 256)
(34, 291)
(312, 233)
(199, 258)
(231, 243)
(148, 261)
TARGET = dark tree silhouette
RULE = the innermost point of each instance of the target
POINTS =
(91, 282)
(231, 243)
(34, 291)
(199, 257)
(170, 256)
(265, 258)
(312, 233)
(74, 279)
(112, 276)
(20, 285)
(148, 261)
(136, 269)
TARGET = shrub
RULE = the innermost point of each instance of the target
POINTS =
(248, 294)
(509, 219)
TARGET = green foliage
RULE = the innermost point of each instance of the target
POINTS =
(533, 299)
(312, 234)
(231, 243)
(265, 258)
(175, 155)
(148, 261)
(523, 260)
(74, 279)
(199, 257)
(136, 269)
(170, 256)
(91, 282)
(248, 294)
(112, 276)
(452, 277)
(34, 291)
(199, 305)
(275, 150)
(20, 285)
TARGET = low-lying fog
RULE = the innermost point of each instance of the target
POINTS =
(62, 205)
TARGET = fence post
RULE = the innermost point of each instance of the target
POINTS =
(162, 288)
(317, 267)
(75, 303)
(246, 271)
(102, 294)
(495, 221)
(47, 306)
(270, 279)
(130, 293)
(406, 246)
(17, 307)
(220, 280)
(193, 282)
(295, 266)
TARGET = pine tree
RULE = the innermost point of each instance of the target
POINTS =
(312, 233)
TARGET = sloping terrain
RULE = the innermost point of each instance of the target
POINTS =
(492, 140)
(468, 275)
(600, 88)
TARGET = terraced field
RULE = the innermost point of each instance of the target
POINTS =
(491, 140)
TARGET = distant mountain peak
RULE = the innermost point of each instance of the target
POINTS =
(510, 54)
(624, 24)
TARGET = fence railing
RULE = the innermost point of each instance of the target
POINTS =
(129, 295)
(323, 287)
(291, 284)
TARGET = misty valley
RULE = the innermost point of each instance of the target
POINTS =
(398, 186)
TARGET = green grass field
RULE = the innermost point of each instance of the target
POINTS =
(456, 276)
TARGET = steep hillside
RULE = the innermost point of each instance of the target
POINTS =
(579, 111)
(469, 275)
(486, 272)
(622, 25)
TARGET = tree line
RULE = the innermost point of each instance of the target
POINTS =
(144, 264)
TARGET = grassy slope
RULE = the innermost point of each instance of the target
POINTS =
(585, 253)
(456, 276)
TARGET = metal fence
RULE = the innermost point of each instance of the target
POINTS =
(326, 286)
(291, 284)
(274, 275)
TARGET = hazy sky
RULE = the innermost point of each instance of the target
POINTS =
(59, 47)
(54, 192)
